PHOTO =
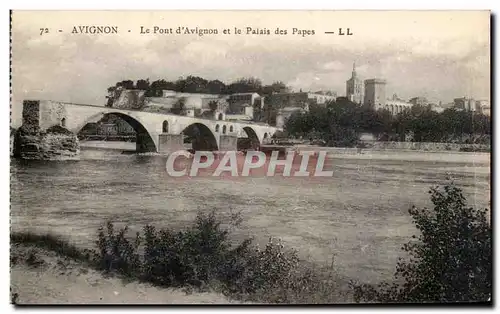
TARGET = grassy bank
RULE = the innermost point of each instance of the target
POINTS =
(200, 259)
(41, 276)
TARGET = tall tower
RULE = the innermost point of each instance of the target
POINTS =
(354, 87)
(375, 93)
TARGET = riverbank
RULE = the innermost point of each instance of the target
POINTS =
(202, 259)
(41, 276)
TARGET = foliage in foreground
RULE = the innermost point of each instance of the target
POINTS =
(450, 261)
(201, 257)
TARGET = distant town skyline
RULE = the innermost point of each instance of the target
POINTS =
(434, 54)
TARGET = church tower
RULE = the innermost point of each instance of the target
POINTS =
(354, 87)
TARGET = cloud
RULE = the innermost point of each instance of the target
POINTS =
(334, 66)
(417, 58)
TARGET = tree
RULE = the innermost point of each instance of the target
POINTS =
(213, 105)
(111, 96)
(156, 88)
(142, 84)
(195, 84)
(450, 261)
(179, 106)
(126, 84)
(216, 87)
(276, 87)
(245, 85)
(402, 124)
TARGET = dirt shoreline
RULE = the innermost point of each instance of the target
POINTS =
(52, 279)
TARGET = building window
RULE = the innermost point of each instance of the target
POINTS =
(220, 116)
(231, 129)
(63, 122)
(217, 128)
(265, 135)
(224, 129)
(165, 126)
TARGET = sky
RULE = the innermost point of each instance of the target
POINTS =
(440, 55)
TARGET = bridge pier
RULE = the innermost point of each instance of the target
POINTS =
(169, 143)
(228, 143)
(43, 135)
(144, 144)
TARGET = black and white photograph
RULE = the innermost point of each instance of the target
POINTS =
(250, 157)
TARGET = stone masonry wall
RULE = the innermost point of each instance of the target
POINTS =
(31, 115)
(47, 146)
(51, 113)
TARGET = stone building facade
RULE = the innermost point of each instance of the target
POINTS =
(375, 93)
(465, 103)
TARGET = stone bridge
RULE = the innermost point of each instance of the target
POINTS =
(156, 132)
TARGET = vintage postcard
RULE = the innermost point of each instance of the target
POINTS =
(250, 157)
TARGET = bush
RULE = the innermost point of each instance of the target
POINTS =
(116, 252)
(200, 256)
(251, 270)
(341, 137)
(450, 261)
(195, 256)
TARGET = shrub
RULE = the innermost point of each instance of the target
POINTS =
(203, 256)
(253, 269)
(195, 256)
(200, 256)
(116, 252)
(450, 261)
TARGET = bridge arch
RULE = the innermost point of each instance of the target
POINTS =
(144, 141)
(201, 137)
(252, 135)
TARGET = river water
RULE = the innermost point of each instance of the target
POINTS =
(357, 219)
